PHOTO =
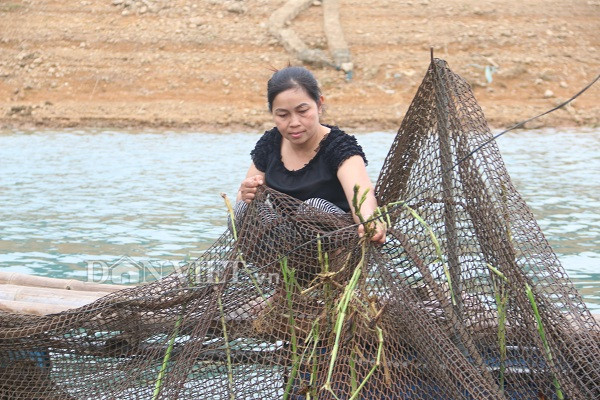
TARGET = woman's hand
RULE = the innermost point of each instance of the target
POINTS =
(380, 229)
(351, 173)
(248, 188)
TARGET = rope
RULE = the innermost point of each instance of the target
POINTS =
(520, 124)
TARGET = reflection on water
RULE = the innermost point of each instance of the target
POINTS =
(72, 202)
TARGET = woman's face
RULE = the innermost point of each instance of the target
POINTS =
(296, 115)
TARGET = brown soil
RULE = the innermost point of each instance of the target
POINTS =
(203, 64)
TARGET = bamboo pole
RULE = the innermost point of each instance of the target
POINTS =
(38, 295)
(443, 106)
(16, 278)
(25, 307)
(48, 295)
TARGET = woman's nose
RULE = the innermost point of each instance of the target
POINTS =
(294, 120)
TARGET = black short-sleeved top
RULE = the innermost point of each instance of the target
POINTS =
(318, 178)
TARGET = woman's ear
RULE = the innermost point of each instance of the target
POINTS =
(320, 105)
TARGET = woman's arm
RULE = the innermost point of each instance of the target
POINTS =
(254, 178)
(354, 172)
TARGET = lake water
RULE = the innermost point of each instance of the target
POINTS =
(72, 202)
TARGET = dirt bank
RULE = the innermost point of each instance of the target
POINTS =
(203, 64)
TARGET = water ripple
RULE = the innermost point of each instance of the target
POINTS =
(73, 198)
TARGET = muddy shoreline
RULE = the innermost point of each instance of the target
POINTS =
(203, 65)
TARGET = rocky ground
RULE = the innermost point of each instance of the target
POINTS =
(203, 65)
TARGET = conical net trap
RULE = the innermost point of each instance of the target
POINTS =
(466, 300)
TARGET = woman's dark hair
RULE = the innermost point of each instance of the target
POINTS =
(292, 77)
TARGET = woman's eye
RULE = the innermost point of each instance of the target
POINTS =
(281, 115)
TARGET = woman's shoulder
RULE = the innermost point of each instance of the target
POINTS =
(339, 146)
(269, 136)
(336, 135)
(264, 148)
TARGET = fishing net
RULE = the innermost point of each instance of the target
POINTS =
(466, 300)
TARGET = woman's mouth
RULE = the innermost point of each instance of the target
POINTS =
(295, 135)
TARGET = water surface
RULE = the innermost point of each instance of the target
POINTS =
(73, 201)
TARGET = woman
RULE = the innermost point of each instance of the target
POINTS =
(303, 158)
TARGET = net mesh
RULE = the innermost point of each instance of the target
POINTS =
(466, 300)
